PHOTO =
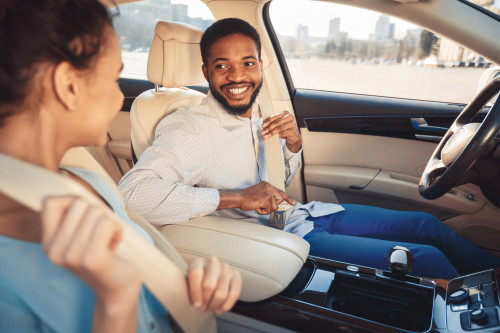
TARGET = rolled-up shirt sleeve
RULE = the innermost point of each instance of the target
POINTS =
(162, 185)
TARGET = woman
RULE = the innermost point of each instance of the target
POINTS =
(59, 71)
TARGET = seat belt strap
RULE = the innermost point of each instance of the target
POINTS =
(274, 161)
(29, 185)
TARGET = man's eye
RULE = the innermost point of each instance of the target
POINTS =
(220, 66)
(250, 63)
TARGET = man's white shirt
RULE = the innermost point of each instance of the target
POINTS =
(202, 149)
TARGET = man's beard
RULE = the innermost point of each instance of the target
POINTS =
(236, 110)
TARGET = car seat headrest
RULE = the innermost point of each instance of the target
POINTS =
(174, 56)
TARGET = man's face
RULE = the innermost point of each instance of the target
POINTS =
(234, 73)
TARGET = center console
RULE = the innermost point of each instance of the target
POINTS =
(330, 296)
(472, 303)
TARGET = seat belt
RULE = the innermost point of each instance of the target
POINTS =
(29, 185)
(274, 161)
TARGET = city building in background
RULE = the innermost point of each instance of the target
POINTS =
(334, 32)
(302, 32)
(384, 30)
(136, 21)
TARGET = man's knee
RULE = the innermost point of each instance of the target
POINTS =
(430, 225)
(429, 261)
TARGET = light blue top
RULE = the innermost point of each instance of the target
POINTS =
(38, 296)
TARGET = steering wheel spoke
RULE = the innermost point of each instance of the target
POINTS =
(437, 168)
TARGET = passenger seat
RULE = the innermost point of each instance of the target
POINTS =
(174, 63)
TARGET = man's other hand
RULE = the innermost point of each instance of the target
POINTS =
(285, 125)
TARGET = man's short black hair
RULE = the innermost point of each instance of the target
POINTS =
(226, 27)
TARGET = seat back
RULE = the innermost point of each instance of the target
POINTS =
(174, 62)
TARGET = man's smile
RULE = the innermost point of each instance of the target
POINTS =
(238, 91)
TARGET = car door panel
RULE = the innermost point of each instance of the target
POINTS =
(372, 150)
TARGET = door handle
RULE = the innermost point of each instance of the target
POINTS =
(421, 127)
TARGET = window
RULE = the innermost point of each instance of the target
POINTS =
(136, 22)
(346, 49)
(492, 6)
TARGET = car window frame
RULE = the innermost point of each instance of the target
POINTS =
(481, 9)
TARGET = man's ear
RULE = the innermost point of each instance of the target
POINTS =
(66, 82)
(205, 71)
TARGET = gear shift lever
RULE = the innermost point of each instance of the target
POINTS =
(400, 261)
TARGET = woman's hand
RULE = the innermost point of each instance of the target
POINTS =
(82, 239)
(213, 285)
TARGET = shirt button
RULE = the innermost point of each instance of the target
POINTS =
(169, 221)
(152, 325)
(201, 215)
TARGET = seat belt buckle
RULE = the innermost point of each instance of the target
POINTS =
(279, 217)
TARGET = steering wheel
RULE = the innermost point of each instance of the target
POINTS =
(462, 146)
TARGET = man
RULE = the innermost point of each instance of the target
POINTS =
(209, 159)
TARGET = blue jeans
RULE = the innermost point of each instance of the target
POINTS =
(363, 235)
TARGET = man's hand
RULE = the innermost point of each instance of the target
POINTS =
(285, 125)
(262, 197)
(213, 286)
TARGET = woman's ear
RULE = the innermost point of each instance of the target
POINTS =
(66, 83)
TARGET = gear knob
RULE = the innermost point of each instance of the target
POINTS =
(400, 260)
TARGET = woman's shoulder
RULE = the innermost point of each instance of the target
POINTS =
(112, 199)
(98, 184)
(89, 176)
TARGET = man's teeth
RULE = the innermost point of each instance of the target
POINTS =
(237, 91)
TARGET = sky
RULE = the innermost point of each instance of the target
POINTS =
(316, 15)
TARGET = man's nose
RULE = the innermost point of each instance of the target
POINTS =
(236, 74)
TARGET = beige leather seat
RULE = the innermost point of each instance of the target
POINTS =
(174, 62)
(267, 258)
